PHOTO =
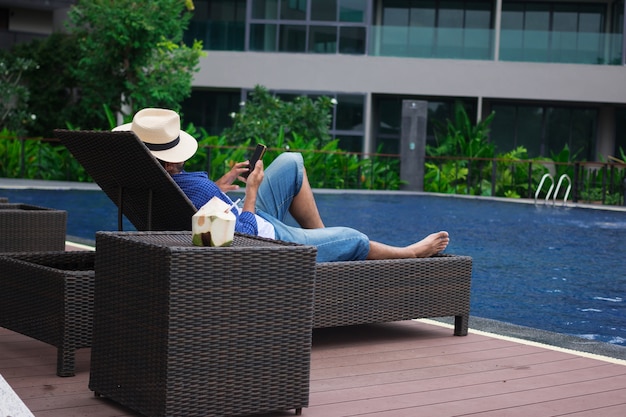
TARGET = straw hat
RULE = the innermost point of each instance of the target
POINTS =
(159, 130)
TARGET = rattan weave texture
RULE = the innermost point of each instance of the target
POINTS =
(181, 330)
(348, 293)
(29, 228)
(138, 185)
(49, 296)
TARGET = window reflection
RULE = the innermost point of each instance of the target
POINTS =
(219, 24)
(352, 40)
(388, 119)
(263, 37)
(436, 28)
(264, 9)
(349, 112)
(211, 109)
(350, 143)
(544, 130)
(323, 39)
(315, 26)
(293, 9)
(352, 10)
(292, 38)
(554, 32)
(324, 10)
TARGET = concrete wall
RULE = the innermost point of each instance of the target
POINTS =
(455, 78)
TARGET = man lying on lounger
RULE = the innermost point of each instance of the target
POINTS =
(269, 195)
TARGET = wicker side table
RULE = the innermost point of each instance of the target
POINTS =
(181, 330)
(28, 228)
(49, 296)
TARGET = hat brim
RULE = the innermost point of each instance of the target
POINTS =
(185, 149)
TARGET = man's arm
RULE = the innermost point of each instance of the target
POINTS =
(252, 187)
(226, 182)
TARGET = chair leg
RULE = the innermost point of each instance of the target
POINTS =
(461, 324)
(65, 361)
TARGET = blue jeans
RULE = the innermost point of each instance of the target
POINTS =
(282, 182)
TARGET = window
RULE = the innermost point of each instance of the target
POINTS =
(450, 15)
(352, 40)
(211, 109)
(265, 9)
(544, 130)
(349, 112)
(350, 143)
(323, 39)
(292, 38)
(219, 24)
(4, 19)
(311, 26)
(437, 28)
(395, 16)
(388, 118)
(352, 11)
(263, 38)
(553, 32)
(347, 117)
(324, 10)
(620, 132)
(348, 122)
(293, 9)
(528, 130)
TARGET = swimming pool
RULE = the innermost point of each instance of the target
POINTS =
(553, 268)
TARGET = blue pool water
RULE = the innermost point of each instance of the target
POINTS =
(547, 267)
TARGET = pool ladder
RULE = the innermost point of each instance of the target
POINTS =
(558, 187)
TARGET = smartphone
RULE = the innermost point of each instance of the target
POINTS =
(258, 154)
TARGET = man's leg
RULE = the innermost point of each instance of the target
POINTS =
(286, 188)
(430, 245)
(304, 208)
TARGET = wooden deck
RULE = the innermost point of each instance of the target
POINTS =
(412, 368)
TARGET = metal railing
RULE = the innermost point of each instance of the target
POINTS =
(597, 182)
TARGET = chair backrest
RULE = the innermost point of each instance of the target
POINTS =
(132, 178)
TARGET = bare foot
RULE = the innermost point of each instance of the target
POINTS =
(430, 245)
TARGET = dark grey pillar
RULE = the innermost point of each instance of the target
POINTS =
(413, 144)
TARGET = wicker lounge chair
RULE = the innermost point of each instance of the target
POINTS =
(29, 228)
(131, 177)
(49, 296)
(346, 293)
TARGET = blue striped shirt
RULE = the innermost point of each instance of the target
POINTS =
(200, 189)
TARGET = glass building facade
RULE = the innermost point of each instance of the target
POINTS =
(553, 71)
(585, 33)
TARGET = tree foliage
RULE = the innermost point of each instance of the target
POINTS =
(132, 55)
(54, 99)
(117, 55)
(461, 137)
(14, 95)
(264, 117)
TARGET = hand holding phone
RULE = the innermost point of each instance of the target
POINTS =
(258, 154)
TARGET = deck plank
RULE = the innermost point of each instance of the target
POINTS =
(412, 368)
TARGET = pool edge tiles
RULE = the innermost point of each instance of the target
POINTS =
(24, 184)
